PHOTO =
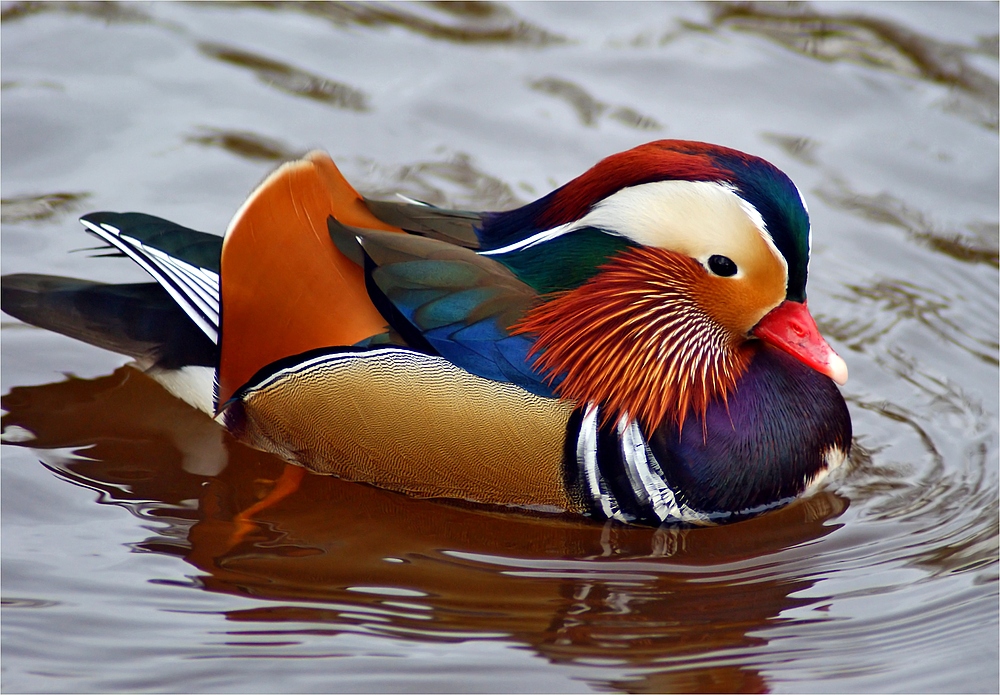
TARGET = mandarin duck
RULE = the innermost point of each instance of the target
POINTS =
(634, 346)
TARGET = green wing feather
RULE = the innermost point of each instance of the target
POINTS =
(194, 247)
(461, 304)
(566, 262)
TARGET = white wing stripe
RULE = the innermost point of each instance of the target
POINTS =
(209, 283)
(180, 294)
(534, 239)
(173, 267)
(182, 272)
(208, 289)
(192, 292)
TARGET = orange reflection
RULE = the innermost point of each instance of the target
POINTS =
(676, 610)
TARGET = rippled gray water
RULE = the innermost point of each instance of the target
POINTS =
(125, 567)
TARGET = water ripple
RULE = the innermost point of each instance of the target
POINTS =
(290, 79)
(875, 43)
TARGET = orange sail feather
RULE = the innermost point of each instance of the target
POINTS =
(286, 288)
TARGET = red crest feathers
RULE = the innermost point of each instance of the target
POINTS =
(654, 161)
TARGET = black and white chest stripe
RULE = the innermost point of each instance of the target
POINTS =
(618, 476)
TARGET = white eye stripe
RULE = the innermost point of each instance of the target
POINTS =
(698, 218)
(750, 210)
(758, 220)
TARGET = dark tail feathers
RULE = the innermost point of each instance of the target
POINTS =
(139, 320)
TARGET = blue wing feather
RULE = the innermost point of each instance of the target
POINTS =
(462, 303)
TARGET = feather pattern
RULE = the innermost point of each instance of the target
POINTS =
(762, 185)
(194, 288)
(586, 351)
(140, 320)
(784, 424)
(454, 303)
(191, 246)
(636, 339)
(453, 226)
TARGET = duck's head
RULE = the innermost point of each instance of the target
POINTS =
(658, 267)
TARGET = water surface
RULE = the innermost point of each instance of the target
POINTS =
(126, 563)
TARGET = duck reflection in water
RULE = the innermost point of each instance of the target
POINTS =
(660, 605)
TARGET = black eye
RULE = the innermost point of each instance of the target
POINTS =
(722, 266)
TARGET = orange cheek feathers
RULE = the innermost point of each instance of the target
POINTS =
(634, 339)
